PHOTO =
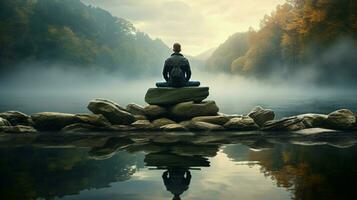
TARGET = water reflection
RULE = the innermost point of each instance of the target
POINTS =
(189, 167)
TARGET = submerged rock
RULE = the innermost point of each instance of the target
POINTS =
(243, 123)
(170, 96)
(191, 109)
(135, 109)
(173, 127)
(217, 119)
(341, 119)
(17, 118)
(201, 126)
(112, 111)
(261, 115)
(4, 122)
(17, 129)
(155, 111)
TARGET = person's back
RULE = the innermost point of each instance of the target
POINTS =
(177, 71)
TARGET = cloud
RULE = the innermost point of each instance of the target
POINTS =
(199, 25)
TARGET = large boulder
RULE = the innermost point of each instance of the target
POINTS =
(243, 123)
(51, 121)
(261, 115)
(17, 129)
(16, 118)
(4, 122)
(341, 119)
(201, 126)
(217, 119)
(135, 109)
(155, 111)
(112, 111)
(170, 96)
(188, 110)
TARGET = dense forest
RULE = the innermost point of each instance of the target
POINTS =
(68, 32)
(312, 38)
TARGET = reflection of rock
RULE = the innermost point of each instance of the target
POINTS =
(170, 96)
(172, 160)
(154, 111)
(109, 148)
(314, 131)
(157, 123)
(194, 150)
(260, 115)
(17, 118)
(243, 123)
(112, 111)
(135, 109)
(17, 129)
(341, 119)
(4, 122)
(201, 126)
(190, 109)
(218, 119)
(173, 127)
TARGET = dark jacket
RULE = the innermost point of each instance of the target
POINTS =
(182, 62)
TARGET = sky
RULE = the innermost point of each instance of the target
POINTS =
(199, 25)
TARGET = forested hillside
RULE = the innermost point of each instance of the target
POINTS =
(313, 38)
(72, 34)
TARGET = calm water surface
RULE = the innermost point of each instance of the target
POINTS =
(175, 167)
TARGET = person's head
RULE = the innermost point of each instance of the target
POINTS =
(176, 48)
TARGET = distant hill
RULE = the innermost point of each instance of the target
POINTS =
(206, 54)
(312, 39)
(74, 34)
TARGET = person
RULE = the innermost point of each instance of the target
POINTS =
(177, 71)
(177, 181)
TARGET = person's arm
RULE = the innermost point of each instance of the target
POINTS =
(188, 71)
(165, 72)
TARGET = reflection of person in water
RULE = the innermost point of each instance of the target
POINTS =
(176, 181)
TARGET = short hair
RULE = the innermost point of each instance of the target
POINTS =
(176, 47)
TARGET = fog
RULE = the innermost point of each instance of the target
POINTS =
(38, 89)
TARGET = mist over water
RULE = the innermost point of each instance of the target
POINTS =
(39, 90)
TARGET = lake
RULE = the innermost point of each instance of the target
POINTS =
(155, 166)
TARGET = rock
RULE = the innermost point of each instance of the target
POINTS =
(315, 131)
(190, 109)
(17, 118)
(51, 121)
(341, 119)
(201, 126)
(173, 127)
(4, 122)
(135, 109)
(94, 119)
(312, 120)
(112, 111)
(157, 123)
(243, 123)
(154, 111)
(229, 116)
(142, 124)
(218, 119)
(170, 96)
(261, 115)
(140, 117)
(293, 123)
(17, 129)
(122, 128)
(81, 128)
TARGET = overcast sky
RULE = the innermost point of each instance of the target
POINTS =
(197, 24)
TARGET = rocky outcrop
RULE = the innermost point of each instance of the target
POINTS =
(191, 109)
(171, 96)
(112, 111)
(261, 115)
(341, 119)
(243, 123)
(155, 111)
(17, 118)
(201, 126)
(218, 119)
(135, 109)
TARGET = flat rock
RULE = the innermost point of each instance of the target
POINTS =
(201, 126)
(18, 129)
(142, 124)
(94, 119)
(173, 127)
(80, 128)
(17, 118)
(188, 110)
(293, 123)
(261, 115)
(4, 122)
(135, 109)
(244, 123)
(217, 119)
(341, 119)
(157, 123)
(170, 96)
(112, 111)
(155, 111)
(51, 121)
